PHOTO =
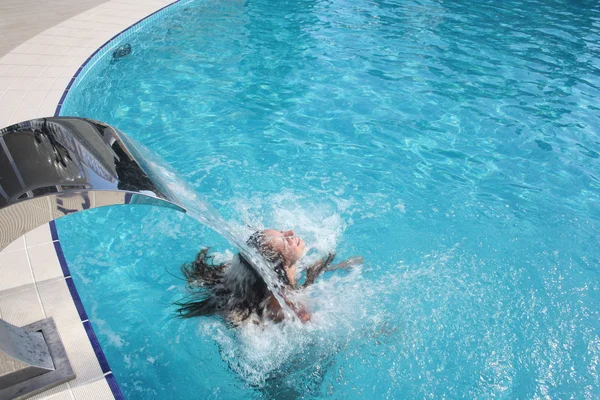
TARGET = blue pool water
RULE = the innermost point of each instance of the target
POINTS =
(453, 144)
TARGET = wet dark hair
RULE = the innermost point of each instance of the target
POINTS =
(213, 292)
(259, 241)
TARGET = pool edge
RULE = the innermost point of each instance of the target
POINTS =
(102, 51)
(93, 339)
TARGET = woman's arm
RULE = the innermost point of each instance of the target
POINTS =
(313, 272)
(347, 263)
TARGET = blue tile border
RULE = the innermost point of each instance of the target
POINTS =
(76, 299)
(61, 258)
(96, 346)
(106, 47)
(112, 382)
(53, 231)
(114, 386)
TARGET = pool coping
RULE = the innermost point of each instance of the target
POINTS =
(35, 280)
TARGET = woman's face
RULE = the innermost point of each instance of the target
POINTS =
(291, 247)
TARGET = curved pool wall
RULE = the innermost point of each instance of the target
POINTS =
(518, 274)
(101, 55)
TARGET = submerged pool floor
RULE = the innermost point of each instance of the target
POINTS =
(453, 145)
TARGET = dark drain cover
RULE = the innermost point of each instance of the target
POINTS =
(122, 51)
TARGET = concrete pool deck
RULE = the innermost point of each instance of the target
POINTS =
(42, 46)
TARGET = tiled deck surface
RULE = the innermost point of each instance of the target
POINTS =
(34, 74)
(33, 287)
(42, 45)
(24, 19)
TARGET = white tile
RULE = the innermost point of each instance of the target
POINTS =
(118, 23)
(52, 72)
(111, 12)
(99, 35)
(39, 235)
(84, 42)
(100, 26)
(34, 96)
(86, 16)
(75, 24)
(60, 392)
(97, 390)
(63, 60)
(22, 83)
(17, 244)
(78, 60)
(13, 70)
(60, 84)
(35, 59)
(98, 40)
(56, 50)
(43, 83)
(44, 262)
(55, 31)
(58, 303)
(78, 50)
(28, 48)
(22, 307)
(68, 40)
(6, 81)
(10, 58)
(70, 32)
(24, 112)
(34, 40)
(47, 109)
(119, 7)
(14, 270)
(49, 104)
(8, 105)
(6, 116)
(46, 40)
(81, 355)
(33, 71)
(12, 98)
(68, 71)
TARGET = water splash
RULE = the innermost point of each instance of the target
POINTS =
(204, 213)
(264, 353)
(318, 223)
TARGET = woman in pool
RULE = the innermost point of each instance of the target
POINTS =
(237, 292)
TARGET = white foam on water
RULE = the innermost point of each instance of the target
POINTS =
(394, 315)
(203, 212)
(259, 352)
(318, 224)
(102, 327)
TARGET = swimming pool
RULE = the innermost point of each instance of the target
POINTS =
(454, 145)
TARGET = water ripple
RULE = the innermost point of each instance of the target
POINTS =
(458, 142)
